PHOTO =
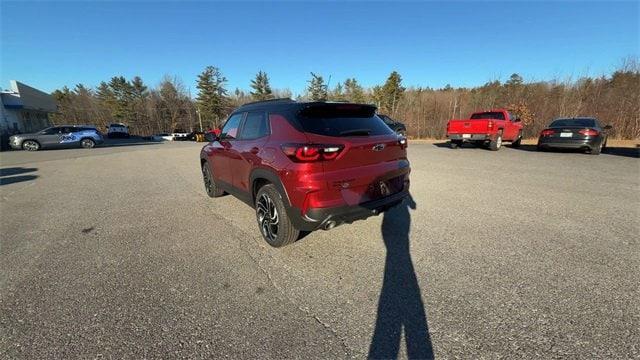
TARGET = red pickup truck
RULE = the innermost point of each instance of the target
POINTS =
(488, 128)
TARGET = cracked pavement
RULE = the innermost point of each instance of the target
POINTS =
(119, 253)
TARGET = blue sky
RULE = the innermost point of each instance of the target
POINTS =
(52, 44)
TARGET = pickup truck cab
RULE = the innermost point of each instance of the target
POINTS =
(488, 128)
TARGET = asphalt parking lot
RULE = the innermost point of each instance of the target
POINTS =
(117, 252)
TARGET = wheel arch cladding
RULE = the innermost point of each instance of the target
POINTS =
(261, 177)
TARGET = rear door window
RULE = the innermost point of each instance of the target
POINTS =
(255, 126)
(51, 131)
(342, 120)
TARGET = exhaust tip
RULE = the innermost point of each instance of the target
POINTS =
(330, 225)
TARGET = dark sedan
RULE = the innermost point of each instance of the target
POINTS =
(575, 133)
(396, 126)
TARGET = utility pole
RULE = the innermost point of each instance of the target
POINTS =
(199, 117)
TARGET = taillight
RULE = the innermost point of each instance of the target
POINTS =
(588, 132)
(311, 152)
(490, 124)
(547, 132)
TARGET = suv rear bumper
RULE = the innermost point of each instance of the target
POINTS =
(326, 218)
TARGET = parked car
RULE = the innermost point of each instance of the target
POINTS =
(58, 137)
(194, 135)
(180, 135)
(162, 137)
(118, 130)
(489, 128)
(583, 133)
(305, 166)
(396, 126)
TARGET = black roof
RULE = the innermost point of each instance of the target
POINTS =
(286, 103)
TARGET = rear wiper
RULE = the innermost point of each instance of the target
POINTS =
(362, 132)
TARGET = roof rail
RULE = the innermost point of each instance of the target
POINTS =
(283, 100)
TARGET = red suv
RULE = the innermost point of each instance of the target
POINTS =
(305, 166)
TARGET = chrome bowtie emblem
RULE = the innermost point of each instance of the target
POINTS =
(378, 147)
(384, 189)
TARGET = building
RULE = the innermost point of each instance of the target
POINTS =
(23, 110)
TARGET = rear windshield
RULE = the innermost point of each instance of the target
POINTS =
(488, 115)
(342, 120)
(573, 122)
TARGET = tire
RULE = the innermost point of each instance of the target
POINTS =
(274, 224)
(516, 144)
(598, 149)
(209, 183)
(454, 144)
(496, 143)
(30, 145)
(87, 143)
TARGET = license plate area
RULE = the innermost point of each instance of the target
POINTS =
(466, 136)
(385, 188)
(566, 134)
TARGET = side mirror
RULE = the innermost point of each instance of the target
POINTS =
(210, 136)
(517, 119)
(608, 127)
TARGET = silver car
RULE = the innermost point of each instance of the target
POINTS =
(58, 137)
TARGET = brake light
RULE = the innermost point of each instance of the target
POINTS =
(490, 124)
(311, 152)
(547, 132)
(588, 132)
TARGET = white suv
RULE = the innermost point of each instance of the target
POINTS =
(118, 130)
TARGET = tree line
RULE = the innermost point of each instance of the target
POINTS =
(614, 99)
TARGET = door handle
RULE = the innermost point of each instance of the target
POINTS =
(254, 150)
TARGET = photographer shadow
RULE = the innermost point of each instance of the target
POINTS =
(400, 307)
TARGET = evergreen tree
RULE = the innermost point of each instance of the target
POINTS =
(139, 88)
(140, 93)
(392, 91)
(64, 101)
(82, 90)
(212, 95)
(122, 90)
(337, 94)
(353, 91)
(317, 89)
(377, 95)
(261, 87)
(514, 80)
